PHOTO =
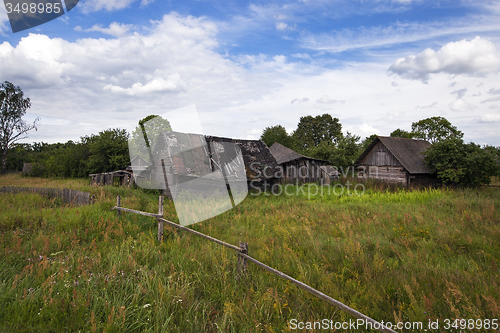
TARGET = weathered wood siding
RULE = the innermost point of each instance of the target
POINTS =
(302, 170)
(380, 156)
(73, 197)
(387, 173)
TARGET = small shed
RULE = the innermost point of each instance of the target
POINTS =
(396, 160)
(297, 167)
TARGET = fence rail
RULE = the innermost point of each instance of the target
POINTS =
(243, 257)
(74, 197)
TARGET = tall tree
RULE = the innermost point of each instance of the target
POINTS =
(458, 163)
(145, 134)
(399, 133)
(311, 131)
(277, 133)
(435, 129)
(367, 141)
(108, 151)
(13, 107)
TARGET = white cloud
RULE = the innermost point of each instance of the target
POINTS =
(108, 5)
(4, 21)
(281, 26)
(299, 101)
(173, 84)
(491, 99)
(364, 130)
(476, 57)
(433, 104)
(101, 80)
(326, 100)
(115, 29)
(494, 91)
(489, 118)
(461, 105)
(375, 37)
(460, 92)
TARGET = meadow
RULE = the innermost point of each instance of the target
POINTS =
(394, 254)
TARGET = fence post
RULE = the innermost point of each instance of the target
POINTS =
(118, 199)
(242, 262)
(160, 215)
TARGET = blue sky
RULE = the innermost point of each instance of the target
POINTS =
(376, 65)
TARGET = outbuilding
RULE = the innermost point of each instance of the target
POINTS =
(396, 160)
(297, 168)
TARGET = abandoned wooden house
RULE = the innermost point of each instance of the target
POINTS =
(298, 168)
(397, 160)
(183, 157)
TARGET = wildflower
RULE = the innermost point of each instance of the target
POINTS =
(146, 306)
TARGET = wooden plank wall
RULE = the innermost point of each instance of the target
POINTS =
(73, 197)
(387, 173)
(303, 170)
(380, 156)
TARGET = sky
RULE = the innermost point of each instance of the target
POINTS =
(377, 65)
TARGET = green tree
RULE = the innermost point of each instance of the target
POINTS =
(13, 107)
(342, 154)
(108, 151)
(277, 133)
(145, 135)
(457, 163)
(435, 129)
(399, 133)
(367, 141)
(311, 131)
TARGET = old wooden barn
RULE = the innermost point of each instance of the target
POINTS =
(297, 167)
(397, 160)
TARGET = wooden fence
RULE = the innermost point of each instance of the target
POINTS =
(68, 196)
(242, 260)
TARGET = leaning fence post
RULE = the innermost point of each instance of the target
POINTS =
(160, 216)
(118, 199)
(242, 262)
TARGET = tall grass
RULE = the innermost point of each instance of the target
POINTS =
(392, 254)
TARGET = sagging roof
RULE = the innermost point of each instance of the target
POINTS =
(284, 154)
(195, 155)
(407, 151)
(330, 170)
(257, 157)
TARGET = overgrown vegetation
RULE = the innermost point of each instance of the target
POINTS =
(393, 254)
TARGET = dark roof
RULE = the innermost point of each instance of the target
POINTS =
(284, 154)
(407, 151)
(331, 171)
(259, 162)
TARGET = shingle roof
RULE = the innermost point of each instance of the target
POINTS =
(259, 162)
(284, 154)
(407, 151)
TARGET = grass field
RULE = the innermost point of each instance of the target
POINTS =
(395, 255)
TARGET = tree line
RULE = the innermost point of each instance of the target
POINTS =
(103, 152)
(453, 161)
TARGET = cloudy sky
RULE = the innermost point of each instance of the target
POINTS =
(377, 65)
